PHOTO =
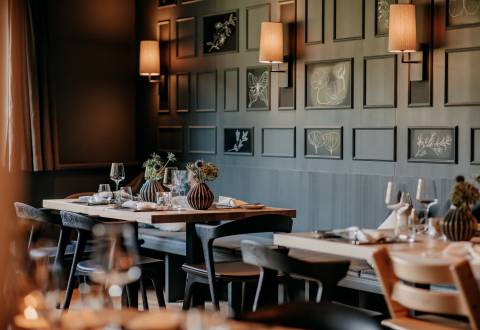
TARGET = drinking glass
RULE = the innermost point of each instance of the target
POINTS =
(181, 180)
(116, 262)
(105, 192)
(117, 173)
(123, 195)
(169, 177)
(427, 196)
(392, 195)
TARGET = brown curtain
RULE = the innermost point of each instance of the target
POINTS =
(28, 141)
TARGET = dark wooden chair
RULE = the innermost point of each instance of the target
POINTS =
(325, 316)
(326, 271)
(151, 268)
(218, 274)
(36, 217)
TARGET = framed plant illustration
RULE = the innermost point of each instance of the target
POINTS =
(258, 88)
(462, 13)
(323, 142)
(238, 141)
(220, 33)
(382, 16)
(329, 84)
(433, 144)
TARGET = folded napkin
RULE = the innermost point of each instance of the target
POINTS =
(463, 250)
(140, 206)
(229, 202)
(363, 236)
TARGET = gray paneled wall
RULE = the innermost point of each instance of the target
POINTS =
(343, 77)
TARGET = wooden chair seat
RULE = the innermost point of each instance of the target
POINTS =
(87, 266)
(425, 322)
(235, 270)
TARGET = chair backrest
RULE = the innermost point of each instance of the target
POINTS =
(77, 221)
(399, 275)
(28, 212)
(328, 270)
(313, 316)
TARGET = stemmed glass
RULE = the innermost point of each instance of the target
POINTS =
(117, 173)
(116, 261)
(169, 177)
(105, 192)
(427, 196)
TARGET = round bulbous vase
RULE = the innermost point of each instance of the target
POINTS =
(459, 224)
(149, 190)
(200, 197)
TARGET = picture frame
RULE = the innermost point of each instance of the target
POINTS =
(387, 155)
(258, 88)
(433, 144)
(329, 84)
(382, 16)
(474, 138)
(323, 142)
(239, 141)
(220, 33)
(166, 3)
(462, 14)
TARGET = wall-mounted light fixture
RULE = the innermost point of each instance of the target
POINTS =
(402, 32)
(272, 50)
(150, 59)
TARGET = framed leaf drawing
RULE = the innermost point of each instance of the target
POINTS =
(258, 88)
(238, 141)
(220, 33)
(323, 142)
(382, 16)
(433, 144)
(462, 13)
(329, 84)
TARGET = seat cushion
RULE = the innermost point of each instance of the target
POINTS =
(225, 270)
(425, 322)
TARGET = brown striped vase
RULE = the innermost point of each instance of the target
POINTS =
(200, 197)
(459, 225)
(149, 190)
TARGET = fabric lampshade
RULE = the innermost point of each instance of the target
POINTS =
(402, 29)
(271, 43)
(149, 58)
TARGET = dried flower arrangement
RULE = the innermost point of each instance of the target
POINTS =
(203, 172)
(155, 167)
(464, 194)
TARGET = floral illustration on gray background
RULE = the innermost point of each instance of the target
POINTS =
(257, 88)
(240, 139)
(383, 14)
(223, 31)
(329, 140)
(439, 145)
(459, 8)
(330, 84)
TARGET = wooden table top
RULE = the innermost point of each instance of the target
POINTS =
(429, 250)
(152, 217)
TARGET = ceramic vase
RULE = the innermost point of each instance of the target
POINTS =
(200, 197)
(459, 224)
(149, 190)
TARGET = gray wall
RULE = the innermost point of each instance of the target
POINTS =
(327, 193)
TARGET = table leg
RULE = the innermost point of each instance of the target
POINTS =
(194, 255)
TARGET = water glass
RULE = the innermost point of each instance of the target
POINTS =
(123, 195)
(169, 177)
(117, 173)
(105, 192)
(181, 181)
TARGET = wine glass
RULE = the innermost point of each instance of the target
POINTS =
(169, 177)
(117, 173)
(181, 179)
(116, 261)
(105, 192)
(392, 195)
(427, 196)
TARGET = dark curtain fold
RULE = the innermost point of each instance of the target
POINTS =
(29, 131)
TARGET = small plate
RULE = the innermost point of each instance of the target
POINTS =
(252, 206)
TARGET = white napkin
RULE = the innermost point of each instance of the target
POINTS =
(84, 199)
(224, 201)
(140, 206)
(463, 250)
(363, 235)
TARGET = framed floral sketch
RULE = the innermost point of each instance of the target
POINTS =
(323, 142)
(433, 144)
(238, 141)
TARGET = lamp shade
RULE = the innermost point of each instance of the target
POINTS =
(271, 43)
(149, 58)
(402, 29)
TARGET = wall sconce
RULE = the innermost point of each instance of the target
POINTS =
(150, 59)
(272, 49)
(403, 37)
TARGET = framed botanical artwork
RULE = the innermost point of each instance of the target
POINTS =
(382, 16)
(433, 144)
(238, 141)
(220, 33)
(166, 3)
(258, 88)
(329, 84)
(323, 142)
(475, 146)
(462, 13)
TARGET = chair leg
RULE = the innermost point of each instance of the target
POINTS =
(214, 295)
(144, 294)
(159, 292)
(267, 289)
(187, 299)
(62, 246)
(79, 248)
(235, 294)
